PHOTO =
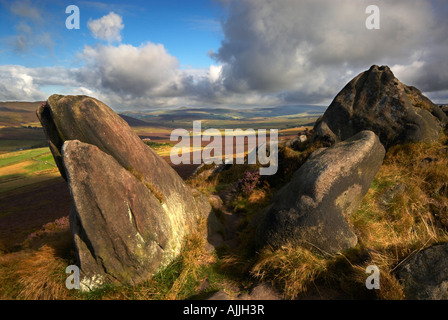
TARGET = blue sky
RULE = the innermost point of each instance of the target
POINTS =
(187, 29)
(236, 53)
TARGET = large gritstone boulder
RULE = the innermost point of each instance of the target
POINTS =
(131, 210)
(425, 275)
(312, 209)
(120, 228)
(376, 100)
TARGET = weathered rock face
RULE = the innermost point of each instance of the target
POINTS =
(121, 230)
(113, 177)
(425, 275)
(444, 108)
(294, 143)
(375, 100)
(313, 208)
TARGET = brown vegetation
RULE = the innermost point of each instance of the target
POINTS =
(405, 211)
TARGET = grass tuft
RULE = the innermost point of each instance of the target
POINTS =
(292, 269)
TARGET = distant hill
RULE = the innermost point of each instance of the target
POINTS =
(20, 128)
(14, 114)
(24, 113)
(183, 113)
(288, 111)
(18, 113)
(134, 122)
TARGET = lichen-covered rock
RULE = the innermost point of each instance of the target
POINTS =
(376, 100)
(104, 137)
(425, 275)
(313, 208)
(121, 231)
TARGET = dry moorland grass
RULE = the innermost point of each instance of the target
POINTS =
(37, 273)
(405, 211)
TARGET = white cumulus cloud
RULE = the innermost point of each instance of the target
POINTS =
(135, 71)
(107, 28)
(306, 51)
(18, 83)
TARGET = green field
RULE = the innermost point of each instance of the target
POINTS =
(21, 168)
(12, 157)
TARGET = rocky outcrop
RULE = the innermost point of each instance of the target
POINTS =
(313, 208)
(131, 210)
(425, 275)
(205, 171)
(120, 228)
(296, 142)
(376, 100)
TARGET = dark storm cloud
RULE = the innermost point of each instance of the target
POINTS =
(307, 49)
